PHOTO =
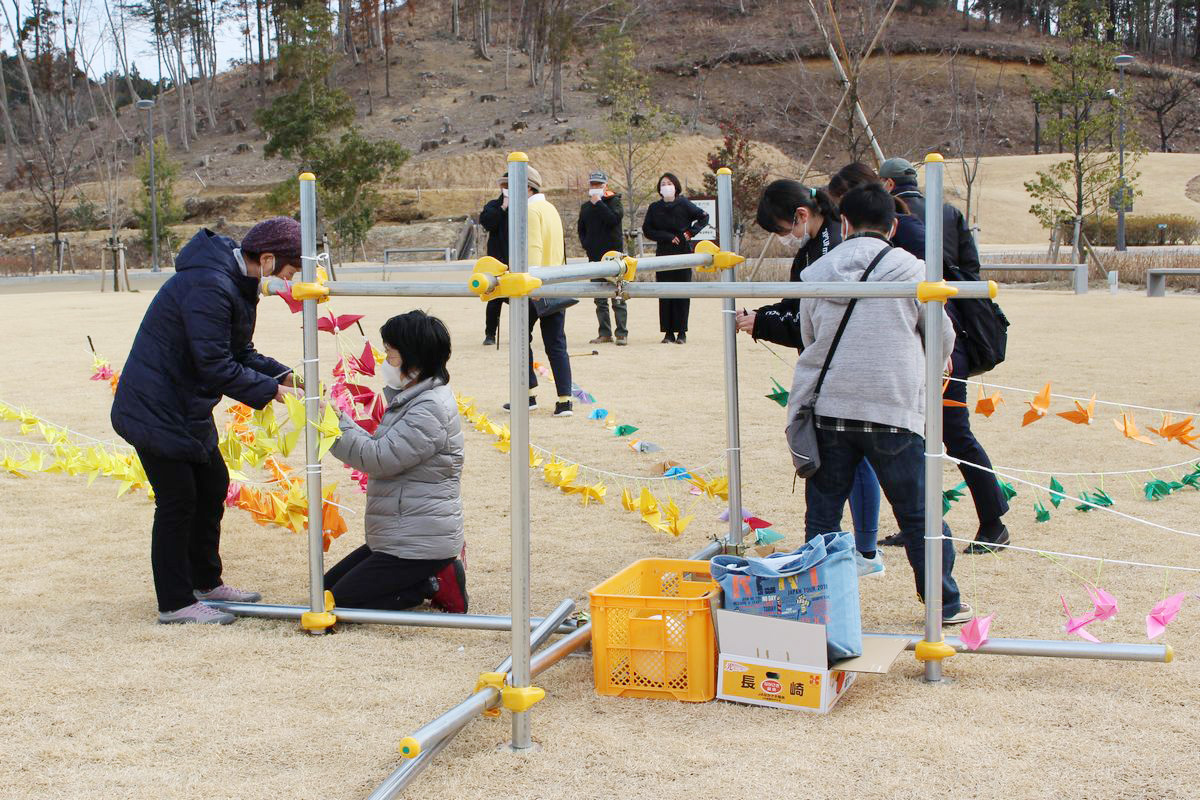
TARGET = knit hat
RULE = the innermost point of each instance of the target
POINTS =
(277, 235)
(534, 178)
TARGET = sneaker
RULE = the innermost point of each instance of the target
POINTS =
(489, 341)
(982, 540)
(622, 341)
(532, 404)
(601, 340)
(669, 339)
(563, 409)
(228, 594)
(895, 540)
(681, 339)
(869, 566)
(965, 613)
(451, 594)
(197, 613)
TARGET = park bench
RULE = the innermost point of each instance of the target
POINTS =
(1156, 279)
(1080, 271)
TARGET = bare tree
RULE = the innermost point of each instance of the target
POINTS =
(1174, 101)
(971, 116)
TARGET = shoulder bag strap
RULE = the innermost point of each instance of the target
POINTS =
(837, 337)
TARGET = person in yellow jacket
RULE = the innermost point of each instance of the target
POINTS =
(546, 249)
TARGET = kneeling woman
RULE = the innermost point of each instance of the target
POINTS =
(414, 519)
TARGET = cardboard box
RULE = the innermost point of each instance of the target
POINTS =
(782, 663)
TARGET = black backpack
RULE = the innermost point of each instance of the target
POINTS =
(980, 324)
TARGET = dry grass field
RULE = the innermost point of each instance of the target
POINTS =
(99, 702)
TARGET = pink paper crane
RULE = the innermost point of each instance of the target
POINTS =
(1161, 615)
(1105, 604)
(975, 633)
(332, 324)
(1078, 625)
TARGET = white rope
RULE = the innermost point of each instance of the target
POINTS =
(1187, 463)
(1080, 399)
(1074, 499)
(1075, 555)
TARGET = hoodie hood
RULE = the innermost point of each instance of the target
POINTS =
(847, 261)
(208, 250)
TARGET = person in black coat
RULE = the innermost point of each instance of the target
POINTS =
(910, 230)
(599, 230)
(958, 250)
(671, 223)
(193, 347)
(494, 219)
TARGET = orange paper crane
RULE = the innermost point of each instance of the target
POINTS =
(1038, 406)
(950, 403)
(987, 404)
(1129, 429)
(1081, 415)
(1179, 431)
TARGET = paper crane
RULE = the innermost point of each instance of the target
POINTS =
(1038, 406)
(1041, 513)
(1105, 605)
(1056, 491)
(950, 403)
(1081, 415)
(1161, 615)
(778, 394)
(988, 404)
(332, 324)
(1129, 429)
(1078, 625)
(975, 633)
(1179, 431)
(628, 501)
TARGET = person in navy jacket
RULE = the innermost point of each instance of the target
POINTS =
(193, 347)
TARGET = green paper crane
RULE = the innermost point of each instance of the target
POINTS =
(624, 430)
(1056, 489)
(1042, 514)
(778, 394)
(1097, 499)
(1008, 489)
(951, 496)
(1156, 489)
(1192, 479)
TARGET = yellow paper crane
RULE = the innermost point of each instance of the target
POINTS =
(1038, 406)
(504, 439)
(328, 430)
(295, 409)
(628, 501)
(587, 494)
(672, 521)
(1081, 415)
(1129, 429)
(987, 404)
(535, 460)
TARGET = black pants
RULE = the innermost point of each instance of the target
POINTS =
(554, 339)
(673, 314)
(189, 501)
(491, 319)
(604, 321)
(365, 579)
(990, 504)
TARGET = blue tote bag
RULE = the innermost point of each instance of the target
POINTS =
(817, 583)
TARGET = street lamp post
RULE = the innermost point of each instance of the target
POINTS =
(148, 107)
(1121, 62)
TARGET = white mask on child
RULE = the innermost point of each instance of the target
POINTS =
(394, 378)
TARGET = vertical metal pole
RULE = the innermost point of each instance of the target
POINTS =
(312, 379)
(154, 266)
(518, 399)
(733, 453)
(934, 174)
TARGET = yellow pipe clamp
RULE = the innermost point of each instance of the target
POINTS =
(319, 620)
(315, 290)
(492, 279)
(933, 651)
(721, 259)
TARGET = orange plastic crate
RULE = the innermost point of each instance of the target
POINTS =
(652, 631)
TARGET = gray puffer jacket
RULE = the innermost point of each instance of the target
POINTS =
(414, 461)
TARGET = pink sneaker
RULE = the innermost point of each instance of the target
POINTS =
(229, 594)
(197, 613)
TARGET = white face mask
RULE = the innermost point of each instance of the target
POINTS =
(241, 260)
(595, 192)
(504, 192)
(792, 240)
(394, 377)
(667, 190)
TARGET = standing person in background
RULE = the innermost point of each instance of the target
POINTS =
(547, 249)
(671, 223)
(494, 219)
(958, 250)
(805, 217)
(599, 231)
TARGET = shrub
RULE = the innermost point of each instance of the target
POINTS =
(1142, 229)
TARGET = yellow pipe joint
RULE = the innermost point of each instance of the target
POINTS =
(630, 263)
(317, 290)
(724, 171)
(934, 291)
(319, 620)
(492, 680)
(720, 259)
(520, 699)
(933, 651)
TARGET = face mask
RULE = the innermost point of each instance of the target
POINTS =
(595, 192)
(241, 260)
(791, 240)
(667, 192)
(393, 376)
(504, 192)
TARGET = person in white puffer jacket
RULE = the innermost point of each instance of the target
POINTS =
(413, 461)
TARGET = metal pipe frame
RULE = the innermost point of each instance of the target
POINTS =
(934, 450)
(1079, 272)
(716, 289)
(375, 616)
(733, 434)
(518, 458)
(610, 268)
(312, 379)
(1042, 648)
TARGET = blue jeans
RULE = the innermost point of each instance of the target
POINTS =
(899, 462)
(864, 507)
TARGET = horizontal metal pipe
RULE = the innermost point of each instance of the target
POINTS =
(719, 289)
(546, 628)
(561, 649)
(420, 619)
(408, 771)
(1110, 651)
(708, 551)
(1034, 267)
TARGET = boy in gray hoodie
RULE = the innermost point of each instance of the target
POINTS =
(872, 402)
